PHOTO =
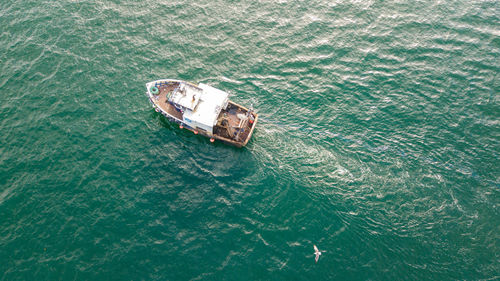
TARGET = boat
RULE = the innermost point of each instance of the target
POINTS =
(203, 109)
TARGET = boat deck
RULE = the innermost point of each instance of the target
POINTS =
(162, 100)
(233, 123)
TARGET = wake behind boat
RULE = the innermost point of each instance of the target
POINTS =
(203, 110)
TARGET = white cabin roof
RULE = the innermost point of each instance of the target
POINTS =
(186, 95)
(209, 104)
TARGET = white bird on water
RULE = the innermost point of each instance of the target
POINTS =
(317, 253)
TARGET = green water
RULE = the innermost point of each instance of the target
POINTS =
(378, 141)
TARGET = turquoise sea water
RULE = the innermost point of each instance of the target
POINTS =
(378, 141)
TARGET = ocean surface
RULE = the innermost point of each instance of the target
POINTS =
(378, 141)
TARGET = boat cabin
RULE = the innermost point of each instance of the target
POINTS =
(200, 105)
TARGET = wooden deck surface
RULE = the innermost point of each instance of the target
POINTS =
(163, 103)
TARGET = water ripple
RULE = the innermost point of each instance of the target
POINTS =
(378, 141)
